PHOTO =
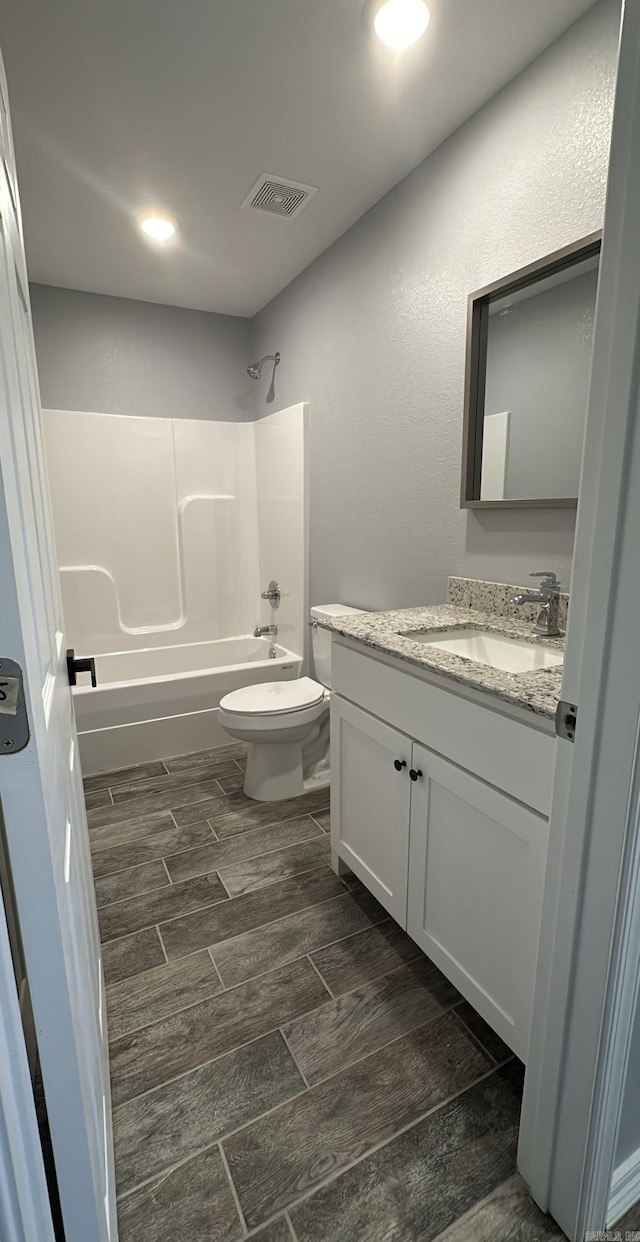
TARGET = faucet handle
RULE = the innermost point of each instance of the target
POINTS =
(549, 579)
(272, 593)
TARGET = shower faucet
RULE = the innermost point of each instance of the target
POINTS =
(261, 630)
(272, 593)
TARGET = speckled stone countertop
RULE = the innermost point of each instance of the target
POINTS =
(390, 633)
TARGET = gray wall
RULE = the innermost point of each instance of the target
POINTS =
(538, 365)
(373, 333)
(116, 356)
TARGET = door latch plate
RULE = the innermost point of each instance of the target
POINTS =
(14, 724)
(566, 720)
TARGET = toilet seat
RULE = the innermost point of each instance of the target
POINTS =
(274, 698)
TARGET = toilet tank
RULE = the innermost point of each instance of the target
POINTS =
(321, 639)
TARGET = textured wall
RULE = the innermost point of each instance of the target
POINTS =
(122, 357)
(372, 334)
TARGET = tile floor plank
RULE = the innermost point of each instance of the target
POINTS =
(256, 951)
(200, 758)
(175, 1121)
(191, 1203)
(165, 797)
(419, 1183)
(122, 776)
(237, 813)
(279, 1158)
(131, 883)
(241, 814)
(100, 797)
(145, 998)
(365, 956)
(277, 1231)
(323, 818)
(110, 826)
(241, 847)
(232, 783)
(491, 1042)
(159, 845)
(253, 873)
(175, 900)
(509, 1212)
(230, 918)
(121, 959)
(177, 781)
(147, 1058)
(347, 1029)
(630, 1221)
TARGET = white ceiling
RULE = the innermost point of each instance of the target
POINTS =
(119, 105)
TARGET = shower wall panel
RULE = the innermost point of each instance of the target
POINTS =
(282, 494)
(167, 530)
(156, 528)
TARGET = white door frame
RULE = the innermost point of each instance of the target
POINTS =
(25, 1213)
(589, 942)
(43, 811)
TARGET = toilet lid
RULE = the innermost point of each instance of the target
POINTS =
(272, 697)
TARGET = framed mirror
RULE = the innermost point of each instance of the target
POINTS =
(528, 363)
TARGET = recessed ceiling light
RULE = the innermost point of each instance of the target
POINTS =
(399, 23)
(158, 228)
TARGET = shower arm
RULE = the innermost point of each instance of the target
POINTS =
(255, 370)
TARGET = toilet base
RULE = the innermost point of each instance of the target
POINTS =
(275, 772)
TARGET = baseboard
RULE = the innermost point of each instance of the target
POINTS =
(625, 1188)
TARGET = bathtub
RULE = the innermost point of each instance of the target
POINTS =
(163, 701)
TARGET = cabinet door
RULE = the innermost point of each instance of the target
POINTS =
(370, 803)
(476, 876)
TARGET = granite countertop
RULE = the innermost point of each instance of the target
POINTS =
(537, 691)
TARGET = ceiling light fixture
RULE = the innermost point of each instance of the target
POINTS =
(158, 228)
(399, 23)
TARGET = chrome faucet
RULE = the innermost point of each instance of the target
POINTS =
(261, 630)
(272, 593)
(548, 597)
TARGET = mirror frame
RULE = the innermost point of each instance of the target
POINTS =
(476, 369)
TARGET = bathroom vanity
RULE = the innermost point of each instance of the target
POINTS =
(442, 772)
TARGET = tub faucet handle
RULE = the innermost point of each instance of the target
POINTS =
(272, 593)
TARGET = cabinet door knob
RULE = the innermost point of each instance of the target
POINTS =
(413, 774)
(399, 764)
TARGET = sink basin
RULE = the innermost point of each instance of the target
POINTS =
(512, 655)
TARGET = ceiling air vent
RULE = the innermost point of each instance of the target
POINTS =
(278, 197)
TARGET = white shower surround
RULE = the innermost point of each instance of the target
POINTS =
(167, 531)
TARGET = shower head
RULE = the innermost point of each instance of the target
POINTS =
(255, 370)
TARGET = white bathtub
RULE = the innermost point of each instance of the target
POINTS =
(159, 702)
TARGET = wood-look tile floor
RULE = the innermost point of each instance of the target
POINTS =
(285, 1062)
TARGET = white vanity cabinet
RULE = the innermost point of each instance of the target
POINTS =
(371, 795)
(440, 806)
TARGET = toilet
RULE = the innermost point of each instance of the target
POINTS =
(286, 723)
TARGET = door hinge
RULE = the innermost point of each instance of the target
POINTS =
(566, 720)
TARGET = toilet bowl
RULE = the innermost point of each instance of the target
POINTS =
(286, 724)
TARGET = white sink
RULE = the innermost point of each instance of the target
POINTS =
(512, 655)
